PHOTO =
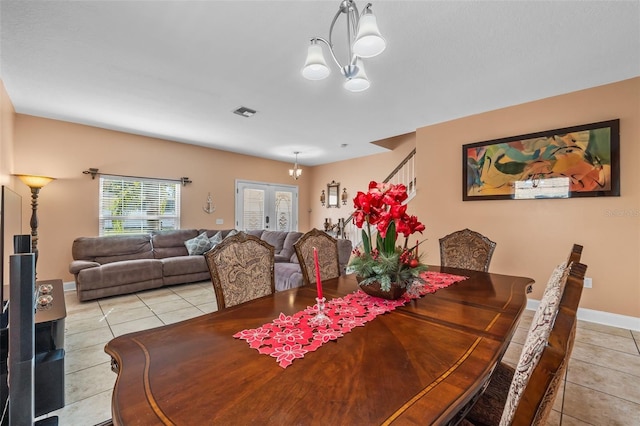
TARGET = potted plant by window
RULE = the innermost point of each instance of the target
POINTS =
(386, 270)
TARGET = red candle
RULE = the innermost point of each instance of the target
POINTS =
(318, 282)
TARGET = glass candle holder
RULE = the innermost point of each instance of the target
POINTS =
(320, 318)
(45, 288)
(44, 301)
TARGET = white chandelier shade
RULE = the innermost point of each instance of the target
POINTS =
(369, 42)
(359, 81)
(315, 68)
(363, 41)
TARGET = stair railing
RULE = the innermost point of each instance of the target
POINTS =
(404, 173)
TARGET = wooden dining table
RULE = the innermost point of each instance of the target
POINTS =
(422, 363)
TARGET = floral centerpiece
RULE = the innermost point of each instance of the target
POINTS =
(387, 264)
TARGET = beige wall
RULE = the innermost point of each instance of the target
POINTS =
(68, 206)
(6, 137)
(355, 175)
(534, 235)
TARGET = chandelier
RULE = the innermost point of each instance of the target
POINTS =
(363, 39)
(296, 171)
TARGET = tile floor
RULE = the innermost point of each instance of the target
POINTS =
(601, 386)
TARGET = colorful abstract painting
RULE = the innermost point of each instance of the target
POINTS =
(562, 163)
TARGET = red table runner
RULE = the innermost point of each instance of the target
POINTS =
(291, 336)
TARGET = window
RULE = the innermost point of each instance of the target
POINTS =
(138, 205)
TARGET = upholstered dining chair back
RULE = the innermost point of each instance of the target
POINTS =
(466, 249)
(241, 269)
(575, 255)
(542, 387)
(328, 260)
(524, 395)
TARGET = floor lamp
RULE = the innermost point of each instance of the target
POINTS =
(35, 183)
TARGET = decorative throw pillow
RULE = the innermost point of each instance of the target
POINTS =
(198, 245)
(232, 233)
(537, 340)
(215, 240)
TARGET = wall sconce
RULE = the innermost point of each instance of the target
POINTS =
(35, 183)
(209, 207)
(323, 198)
(344, 196)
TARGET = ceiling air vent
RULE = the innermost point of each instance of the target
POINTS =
(245, 112)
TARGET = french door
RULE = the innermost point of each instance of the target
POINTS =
(266, 206)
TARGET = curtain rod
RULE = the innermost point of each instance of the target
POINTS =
(94, 172)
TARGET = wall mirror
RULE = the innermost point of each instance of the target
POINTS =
(333, 191)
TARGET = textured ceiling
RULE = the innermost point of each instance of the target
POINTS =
(177, 69)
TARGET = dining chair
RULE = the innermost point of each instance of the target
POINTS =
(575, 255)
(524, 395)
(466, 249)
(241, 269)
(328, 259)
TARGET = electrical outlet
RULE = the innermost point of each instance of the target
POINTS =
(588, 282)
(219, 221)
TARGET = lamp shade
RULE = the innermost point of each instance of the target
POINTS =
(315, 67)
(358, 82)
(369, 42)
(34, 181)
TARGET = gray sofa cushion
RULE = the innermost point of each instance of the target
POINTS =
(183, 265)
(344, 254)
(287, 275)
(171, 243)
(78, 265)
(124, 272)
(287, 249)
(110, 249)
(256, 233)
(275, 238)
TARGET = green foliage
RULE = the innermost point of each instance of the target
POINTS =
(390, 238)
(366, 241)
(386, 268)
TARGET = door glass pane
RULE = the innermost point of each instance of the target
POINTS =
(253, 207)
(266, 206)
(284, 210)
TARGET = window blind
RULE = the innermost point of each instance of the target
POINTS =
(131, 205)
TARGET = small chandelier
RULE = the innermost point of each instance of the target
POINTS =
(296, 171)
(364, 41)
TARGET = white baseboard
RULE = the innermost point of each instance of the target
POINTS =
(69, 286)
(600, 317)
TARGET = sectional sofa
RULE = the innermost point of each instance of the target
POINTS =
(115, 265)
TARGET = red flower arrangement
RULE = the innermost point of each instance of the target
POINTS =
(382, 207)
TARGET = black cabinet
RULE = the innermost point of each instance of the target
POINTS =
(49, 354)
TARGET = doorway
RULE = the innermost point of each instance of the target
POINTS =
(266, 206)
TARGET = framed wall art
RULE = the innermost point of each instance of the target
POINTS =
(579, 161)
